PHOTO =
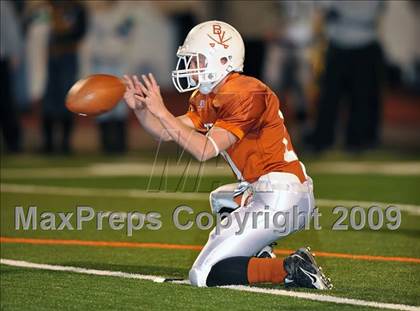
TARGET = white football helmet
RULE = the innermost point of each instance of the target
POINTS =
(211, 50)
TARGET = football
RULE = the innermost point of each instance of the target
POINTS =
(95, 94)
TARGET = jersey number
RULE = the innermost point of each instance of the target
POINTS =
(289, 155)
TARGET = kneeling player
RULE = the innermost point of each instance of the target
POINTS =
(238, 117)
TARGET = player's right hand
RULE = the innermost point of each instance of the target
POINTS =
(132, 88)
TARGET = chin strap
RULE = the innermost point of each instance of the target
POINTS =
(206, 87)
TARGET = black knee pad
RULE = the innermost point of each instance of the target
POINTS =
(229, 271)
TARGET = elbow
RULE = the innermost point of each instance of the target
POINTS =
(163, 139)
(203, 157)
(167, 139)
(206, 154)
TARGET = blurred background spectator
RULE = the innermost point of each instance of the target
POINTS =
(287, 66)
(20, 76)
(400, 33)
(353, 72)
(11, 48)
(323, 59)
(36, 19)
(110, 32)
(68, 26)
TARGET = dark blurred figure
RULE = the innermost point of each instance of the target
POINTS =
(20, 78)
(183, 22)
(253, 20)
(10, 52)
(414, 82)
(353, 70)
(68, 26)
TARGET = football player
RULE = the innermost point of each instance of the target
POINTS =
(238, 117)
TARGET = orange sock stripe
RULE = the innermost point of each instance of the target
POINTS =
(264, 270)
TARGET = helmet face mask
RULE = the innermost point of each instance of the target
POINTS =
(210, 52)
(193, 70)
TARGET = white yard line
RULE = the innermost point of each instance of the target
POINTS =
(212, 168)
(191, 196)
(123, 169)
(409, 208)
(25, 264)
(159, 279)
(127, 193)
(380, 168)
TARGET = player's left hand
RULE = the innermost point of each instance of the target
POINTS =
(151, 96)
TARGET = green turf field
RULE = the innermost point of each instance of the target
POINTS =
(29, 289)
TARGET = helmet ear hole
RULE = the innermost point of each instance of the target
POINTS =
(223, 60)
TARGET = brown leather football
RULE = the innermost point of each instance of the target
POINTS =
(95, 94)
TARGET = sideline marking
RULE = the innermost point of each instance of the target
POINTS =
(159, 279)
(191, 247)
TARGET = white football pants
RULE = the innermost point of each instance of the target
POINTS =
(279, 206)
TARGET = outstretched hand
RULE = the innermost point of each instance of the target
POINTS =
(131, 89)
(150, 96)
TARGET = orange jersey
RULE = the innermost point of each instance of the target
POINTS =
(250, 110)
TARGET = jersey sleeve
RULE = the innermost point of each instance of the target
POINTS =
(239, 115)
(193, 115)
(195, 118)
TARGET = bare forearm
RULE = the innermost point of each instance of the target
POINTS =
(195, 143)
(152, 125)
